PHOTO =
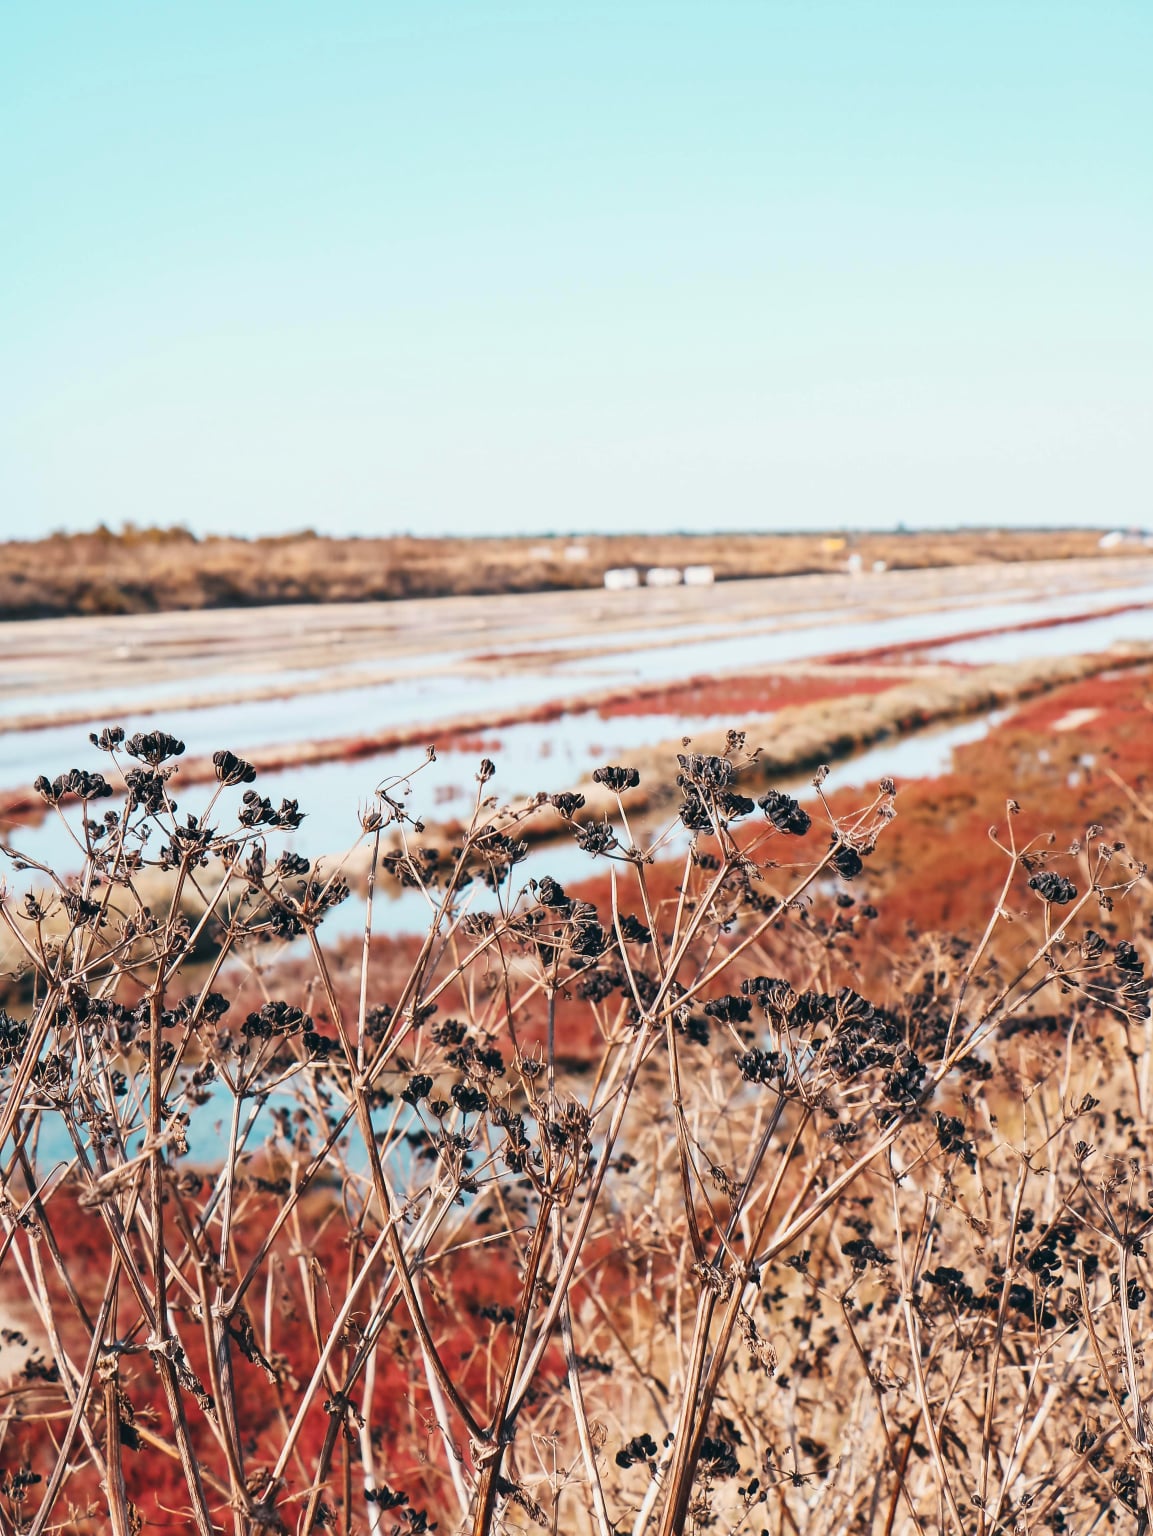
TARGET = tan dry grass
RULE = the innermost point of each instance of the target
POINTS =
(801, 736)
(146, 571)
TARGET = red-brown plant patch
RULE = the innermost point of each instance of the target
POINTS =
(736, 697)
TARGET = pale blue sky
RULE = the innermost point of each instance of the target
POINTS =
(443, 267)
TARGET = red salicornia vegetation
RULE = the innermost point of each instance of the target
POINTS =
(664, 1202)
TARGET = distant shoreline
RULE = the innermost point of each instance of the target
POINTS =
(169, 570)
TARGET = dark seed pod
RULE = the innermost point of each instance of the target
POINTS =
(231, 769)
(1053, 888)
(847, 862)
(784, 813)
(154, 747)
(616, 779)
(567, 803)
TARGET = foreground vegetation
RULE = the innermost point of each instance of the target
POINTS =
(157, 570)
(730, 1190)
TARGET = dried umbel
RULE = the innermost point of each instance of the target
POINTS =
(77, 783)
(784, 813)
(231, 769)
(661, 1197)
(617, 779)
(153, 747)
(1054, 888)
(567, 803)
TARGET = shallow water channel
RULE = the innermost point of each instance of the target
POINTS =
(531, 756)
(504, 677)
(925, 755)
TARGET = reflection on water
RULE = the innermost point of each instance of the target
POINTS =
(757, 651)
(615, 658)
(96, 700)
(556, 754)
(924, 755)
(529, 758)
(1084, 638)
(208, 1129)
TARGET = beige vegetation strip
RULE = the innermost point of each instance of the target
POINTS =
(898, 659)
(198, 770)
(21, 801)
(38, 720)
(804, 735)
(290, 688)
